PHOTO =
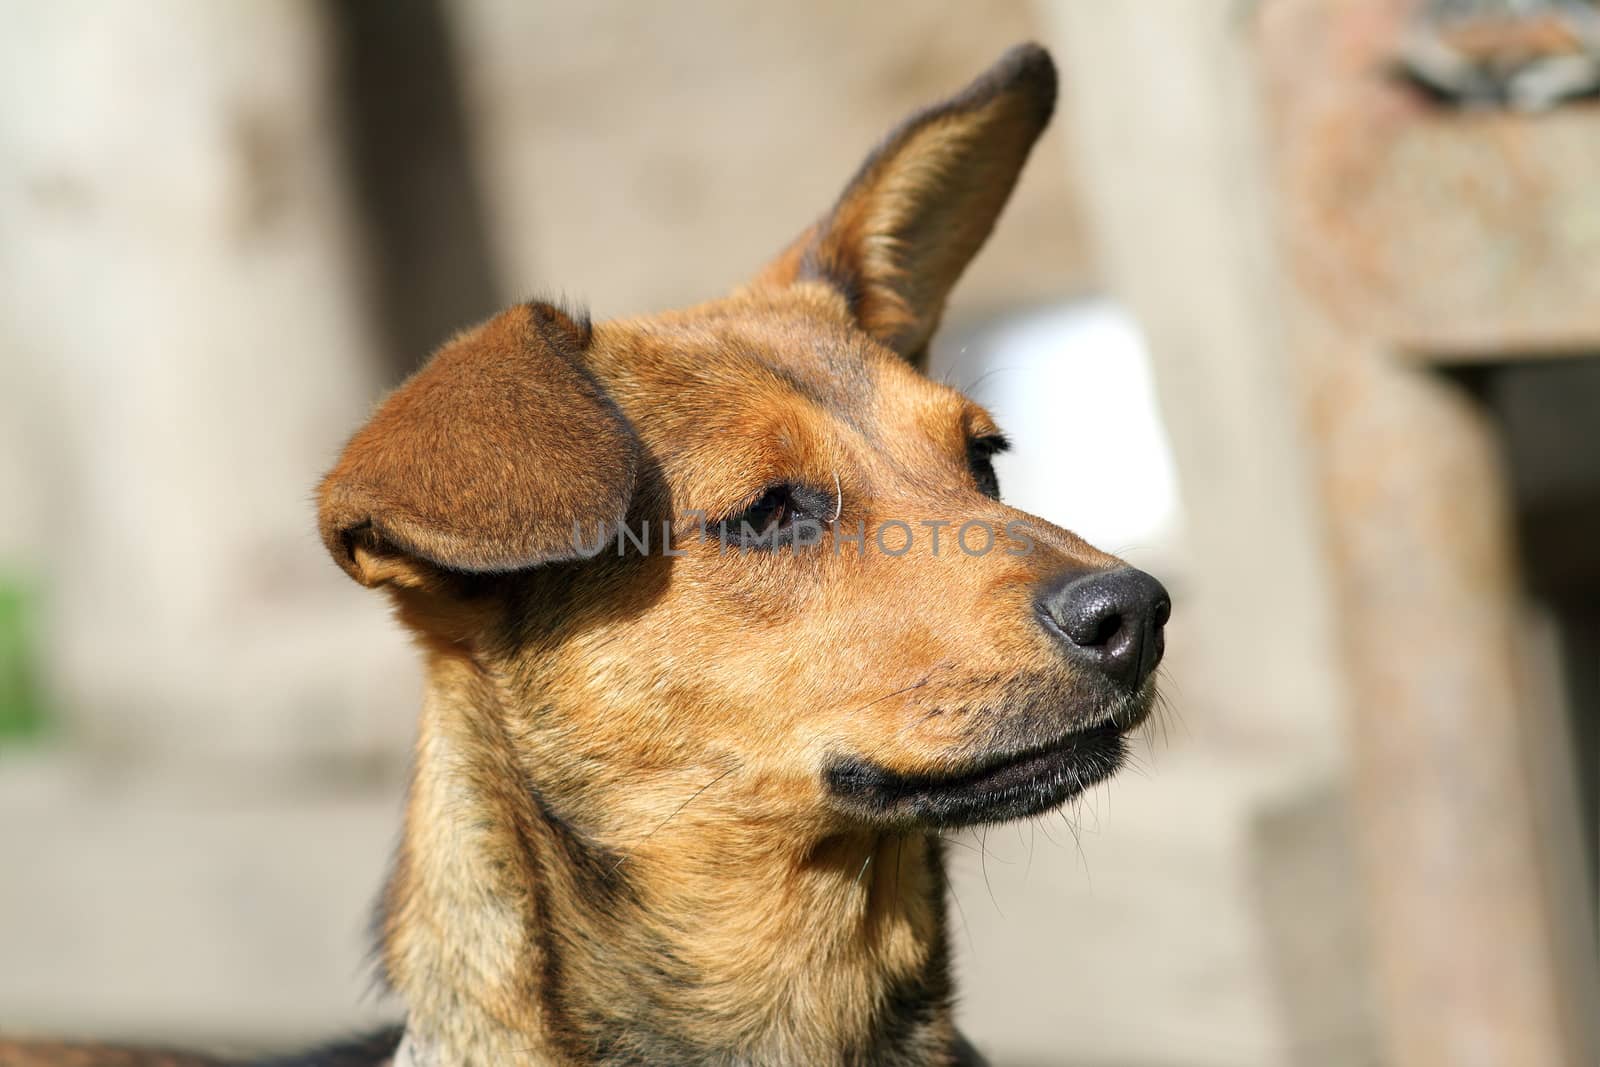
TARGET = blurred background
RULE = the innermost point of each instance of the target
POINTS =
(1323, 277)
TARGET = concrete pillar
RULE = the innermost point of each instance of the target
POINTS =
(1420, 236)
(189, 341)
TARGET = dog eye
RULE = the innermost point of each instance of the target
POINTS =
(980, 461)
(762, 522)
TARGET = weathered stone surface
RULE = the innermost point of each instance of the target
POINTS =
(184, 344)
(1302, 856)
(642, 156)
(1418, 231)
(185, 908)
(1441, 231)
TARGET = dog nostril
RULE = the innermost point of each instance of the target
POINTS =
(1112, 620)
(1102, 632)
(1090, 623)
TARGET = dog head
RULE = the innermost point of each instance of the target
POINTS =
(750, 543)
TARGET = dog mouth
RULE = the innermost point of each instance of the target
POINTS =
(999, 788)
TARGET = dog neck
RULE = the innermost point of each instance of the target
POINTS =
(514, 937)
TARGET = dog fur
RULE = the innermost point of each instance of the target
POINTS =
(673, 806)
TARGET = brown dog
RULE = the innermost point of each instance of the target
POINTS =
(705, 681)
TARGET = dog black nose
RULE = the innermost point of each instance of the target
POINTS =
(1111, 620)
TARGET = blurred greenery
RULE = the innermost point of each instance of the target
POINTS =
(23, 710)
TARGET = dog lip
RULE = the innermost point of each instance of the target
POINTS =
(995, 769)
(1008, 786)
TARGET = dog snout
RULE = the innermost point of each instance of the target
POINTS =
(1111, 621)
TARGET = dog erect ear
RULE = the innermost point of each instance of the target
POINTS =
(924, 201)
(484, 459)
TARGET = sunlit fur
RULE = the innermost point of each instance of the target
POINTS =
(618, 816)
(620, 846)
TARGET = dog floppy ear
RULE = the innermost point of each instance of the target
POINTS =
(484, 459)
(924, 202)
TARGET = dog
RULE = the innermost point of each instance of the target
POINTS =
(704, 684)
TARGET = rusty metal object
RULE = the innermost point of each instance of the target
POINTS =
(1419, 535)
(1438, 230)
(1526, 54)
(1433, 233)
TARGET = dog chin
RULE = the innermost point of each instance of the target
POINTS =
(995, 787)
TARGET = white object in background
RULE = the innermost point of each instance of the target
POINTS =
(1071, 386)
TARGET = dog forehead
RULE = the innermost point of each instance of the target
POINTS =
(711, 368)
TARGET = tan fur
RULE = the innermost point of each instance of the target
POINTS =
(924, 202)
(619, 846)
(454, 467)
(674, 711)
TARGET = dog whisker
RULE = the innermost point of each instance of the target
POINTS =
(1077, 840)
(983, 841)
(966, 927)
(953, 840)
(676, 812)
(863, 869)
(899, 843)
(986, 375)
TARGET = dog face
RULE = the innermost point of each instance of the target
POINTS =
(748, 551)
